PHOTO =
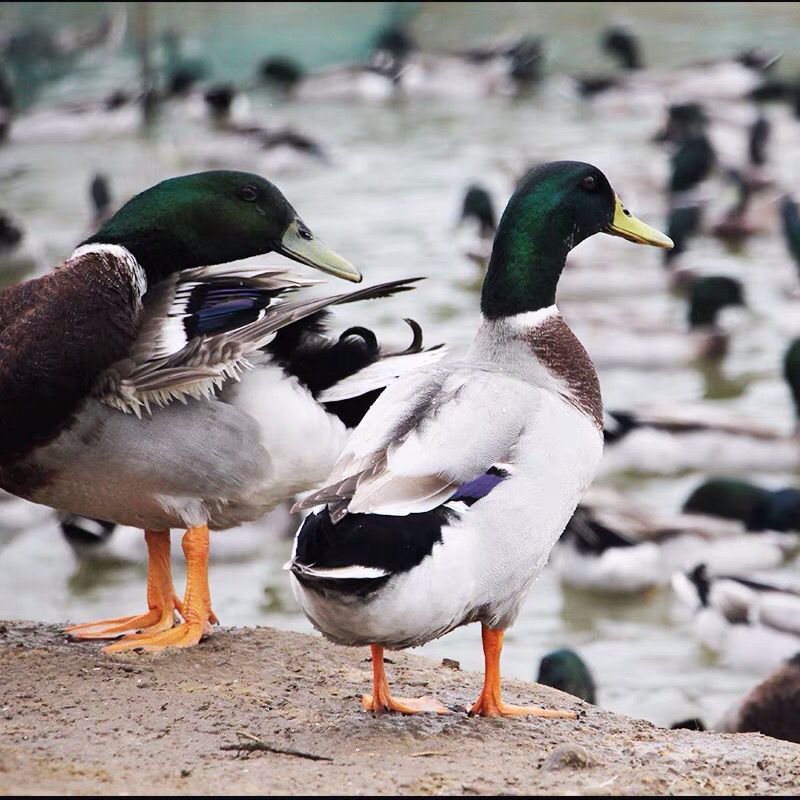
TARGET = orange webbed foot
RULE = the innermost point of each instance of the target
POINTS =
(490, 703)
(403, 705)
(487, 707)
(187, 634)
(381, 700)
(154, 620)
(195, 609)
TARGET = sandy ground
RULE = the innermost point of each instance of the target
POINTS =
(74, 721)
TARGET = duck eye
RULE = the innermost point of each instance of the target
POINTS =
(589, 183)
(248, 194)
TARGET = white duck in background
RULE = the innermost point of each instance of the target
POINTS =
(614, 545)
(664, 442)
(715, 80)
(748, 622)
(398, 70)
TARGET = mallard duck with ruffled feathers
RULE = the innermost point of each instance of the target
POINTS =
(142, 387)
(750, 622)
(666, 441)
(449, 496)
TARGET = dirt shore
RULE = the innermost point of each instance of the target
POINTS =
(74, 721)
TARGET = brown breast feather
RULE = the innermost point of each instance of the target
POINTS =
(560, 351)
(57, 334)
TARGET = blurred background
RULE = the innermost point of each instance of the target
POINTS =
(374, 119)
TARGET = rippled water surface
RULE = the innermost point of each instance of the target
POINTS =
(389, 201)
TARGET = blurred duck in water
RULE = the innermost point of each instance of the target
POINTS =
(729, 136)
(101, 200)
(668, 441)
(20, 253)
(647, 348)
(614, 545)
(565, 670)
(683, 224)
(790, 225)
(749, 622)
(738, 223)
(119, 113)
(691, 164)
(623, 47)
(7, 103)
(398, 69)
(181, 73)
(757, 508)
(38, 53)
(241, 141)
(478, 211)
(720, 79)
(771, 708)
(758, 138)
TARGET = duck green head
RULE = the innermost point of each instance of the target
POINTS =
(790, 219)
(708, 296)
(692, 163)
(478, 205)
(728, 498)
(683, 223)
(213, 218)
(565, 670)
(620, 42)
(555, 207)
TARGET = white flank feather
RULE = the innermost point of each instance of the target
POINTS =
(380, 374)
(354, 572)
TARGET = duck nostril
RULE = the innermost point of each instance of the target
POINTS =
(626, 212)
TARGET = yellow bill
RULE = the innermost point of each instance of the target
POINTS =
(634, 230)
(299, 244)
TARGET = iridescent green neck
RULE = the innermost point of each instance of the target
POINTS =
(528, 256)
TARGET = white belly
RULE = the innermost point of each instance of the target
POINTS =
(302, 439)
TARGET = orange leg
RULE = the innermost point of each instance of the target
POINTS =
(161, 600)
(196, 610)
(381, 700)
(490, 703)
